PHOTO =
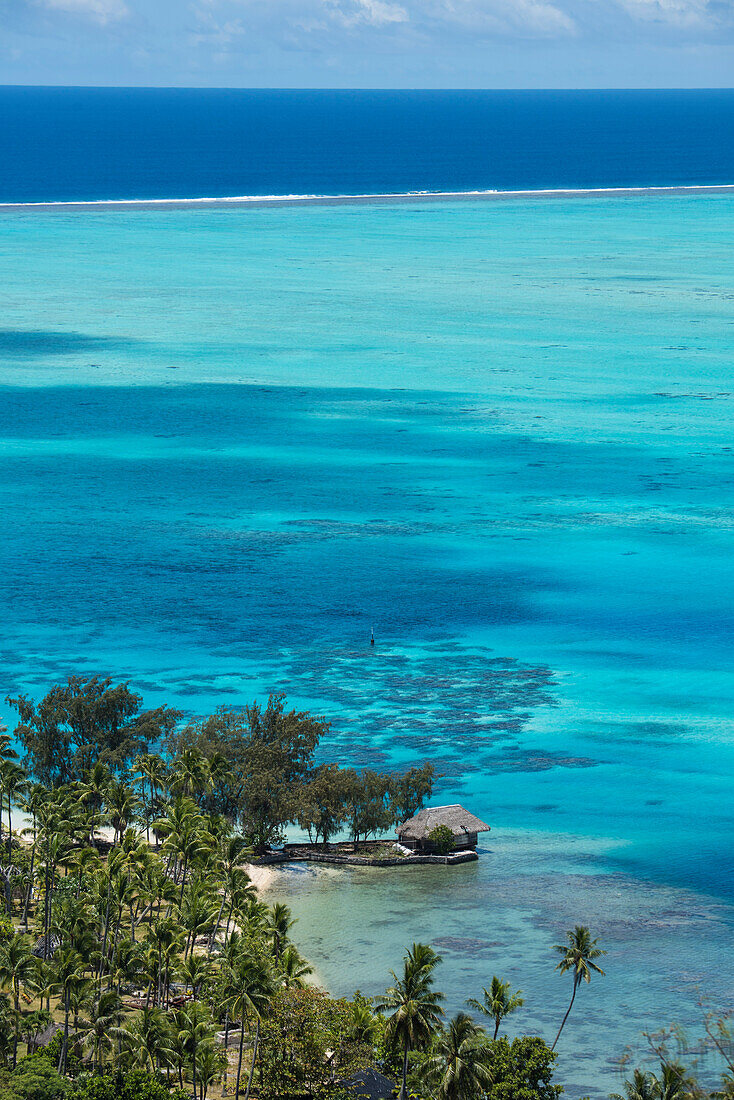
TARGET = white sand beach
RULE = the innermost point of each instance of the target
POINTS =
(261, 877)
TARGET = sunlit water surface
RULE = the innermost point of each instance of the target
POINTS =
(232, 442)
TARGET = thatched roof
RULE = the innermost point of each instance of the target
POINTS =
(370, 1084)
(47, 945)
(457, 819)
(46, 1036)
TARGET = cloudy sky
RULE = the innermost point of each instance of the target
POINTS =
(369, 43)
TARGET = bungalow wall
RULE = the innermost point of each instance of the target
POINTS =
(421, 844)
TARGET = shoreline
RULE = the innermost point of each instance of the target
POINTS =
(387, 198)
(261, 877)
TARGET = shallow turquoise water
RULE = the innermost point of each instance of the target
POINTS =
(499, 433)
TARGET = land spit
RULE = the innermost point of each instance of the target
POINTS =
(376, 854)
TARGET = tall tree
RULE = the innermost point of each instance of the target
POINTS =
(412, 1006)
(643, 1086)
(498, 1002)
(85, 720)
(251, 990)
(410, 790)
(578, 955)
(280, 922)
(14, 785)
(459, 1065)
(18, 968)
(269, 753)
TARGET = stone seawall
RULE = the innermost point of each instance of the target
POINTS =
(300, 855)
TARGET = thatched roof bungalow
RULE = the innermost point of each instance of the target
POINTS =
(370, 1084)
(414, 834)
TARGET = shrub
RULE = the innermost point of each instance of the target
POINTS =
(134, 1085)
(442, 840)
(522, 1070)
(34, 1079)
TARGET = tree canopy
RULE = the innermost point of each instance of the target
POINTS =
(83, 721)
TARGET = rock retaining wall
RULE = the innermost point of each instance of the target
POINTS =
(302, 855)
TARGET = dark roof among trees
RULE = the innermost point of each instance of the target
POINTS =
(47, 946)
(47, 1035)
(455, 817)
(370, 1084)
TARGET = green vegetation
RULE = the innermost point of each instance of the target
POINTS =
(137, 961)
(498, 1002)
(577, 958)
(441, 839)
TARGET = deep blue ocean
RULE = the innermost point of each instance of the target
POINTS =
(110, 143)
(235, 439)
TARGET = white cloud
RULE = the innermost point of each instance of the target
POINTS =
(426, 18)
(677, 13)
(364, 13)
(100, 11)
(523, 17)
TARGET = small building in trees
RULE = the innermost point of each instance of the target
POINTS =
(420, 834)
(370, 1084)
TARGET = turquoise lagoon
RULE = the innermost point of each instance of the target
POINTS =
(499, 432)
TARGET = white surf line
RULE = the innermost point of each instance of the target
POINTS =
(377, 197)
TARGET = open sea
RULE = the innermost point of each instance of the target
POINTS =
(234, 438)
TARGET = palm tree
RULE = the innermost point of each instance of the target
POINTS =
(195, 971)
(148, 1040)
(293, 970)
(187, 843)
(105, 1017)
(193, 1030)
(84, 860)
(414, 1008)
(460, 1065)
(219, 770)
(14, 785)
(166, 943)
(364, 1026)
(121, 803)
(197, 911)
(210, 1064)
(577, 955)
(7, 752)
(190, 773)
(498, 1001)
(280, 923)
(32, 1024)
(643, 1086)
(18, 967)
(726, 1092)
(93, 791)
(235, 878)
(152, 768)
(674, 1083)
(68, 971)
(251, 989)
(33, 798)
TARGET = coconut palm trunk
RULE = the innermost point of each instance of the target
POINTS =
(568, 1011)
(226, 1050)
(215, 931)
(65, 1044)
(29, 891)
(16, 1006)
(239, 1059)
(404, 1085)
(255, 1046)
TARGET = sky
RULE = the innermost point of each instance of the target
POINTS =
(369, 43)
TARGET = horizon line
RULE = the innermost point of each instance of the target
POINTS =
(344, 88)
